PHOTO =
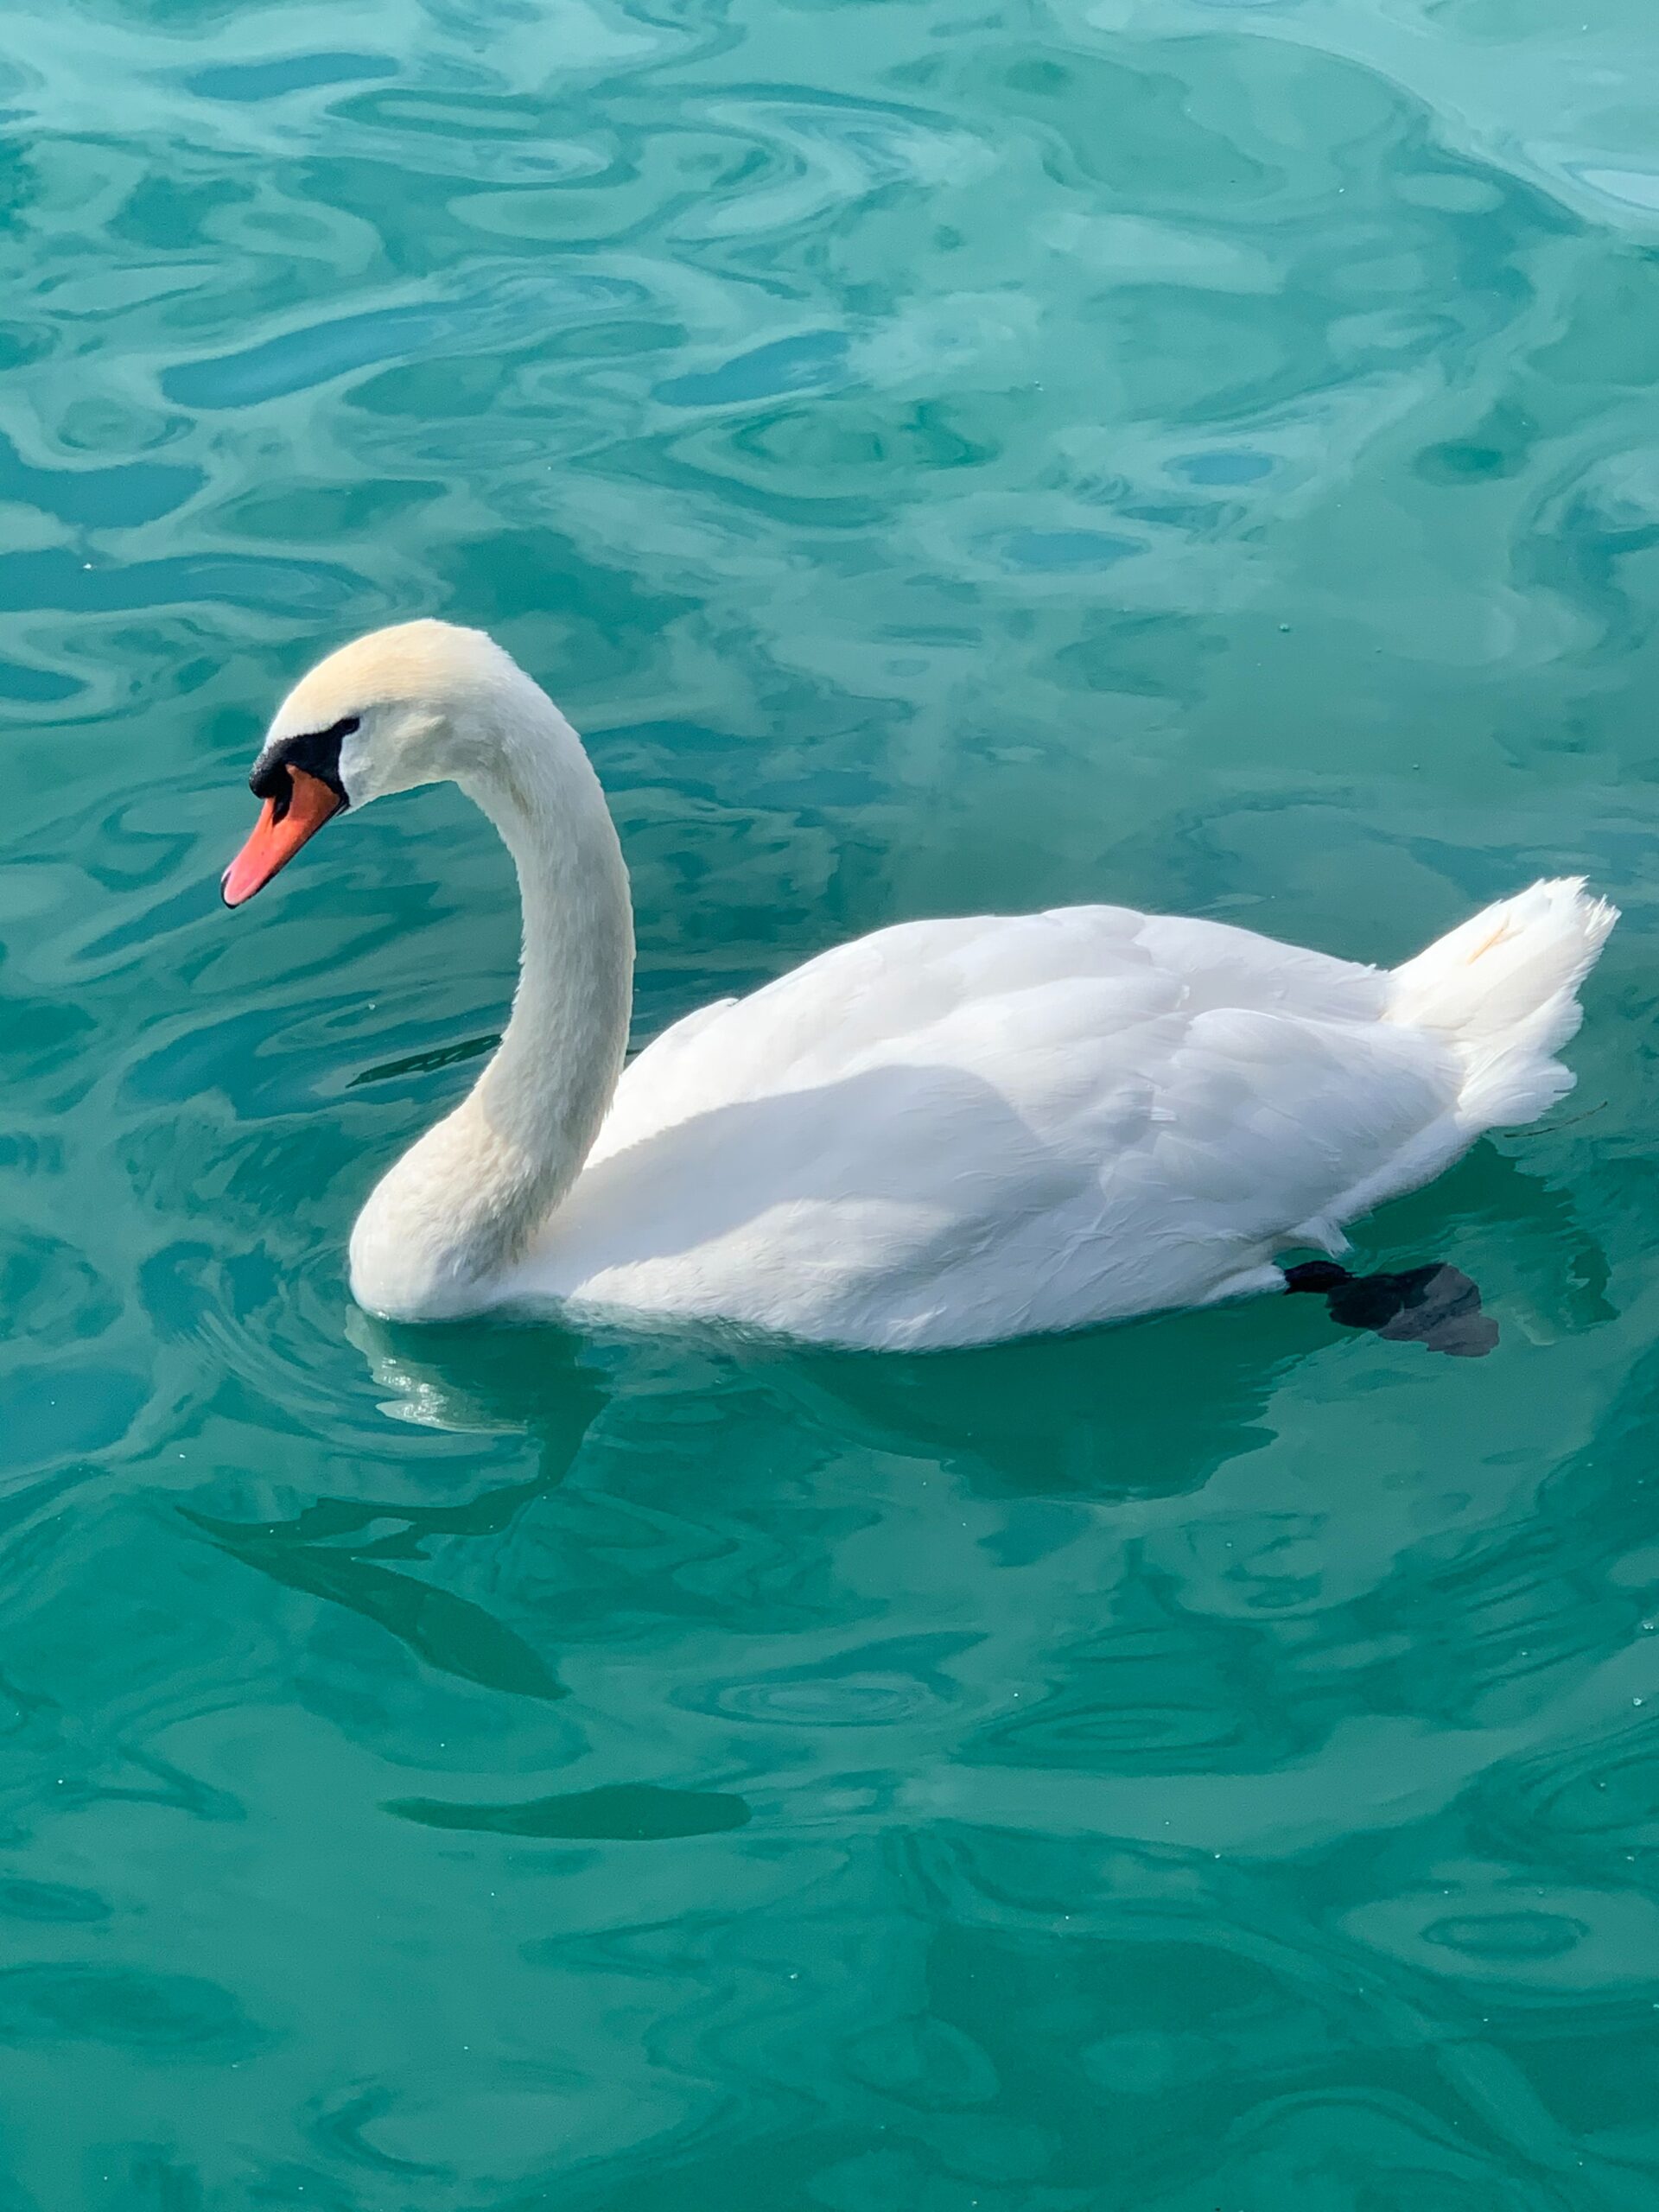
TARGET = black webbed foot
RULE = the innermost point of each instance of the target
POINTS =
(1437, 1307)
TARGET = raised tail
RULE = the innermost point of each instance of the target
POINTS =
(1502, 990)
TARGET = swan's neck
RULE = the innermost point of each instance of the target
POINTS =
(460, 1207)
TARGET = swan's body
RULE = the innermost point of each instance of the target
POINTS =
(946, 1133)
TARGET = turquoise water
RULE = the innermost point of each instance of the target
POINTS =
(1197, 454)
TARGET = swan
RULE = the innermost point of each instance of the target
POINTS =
(946, 1133)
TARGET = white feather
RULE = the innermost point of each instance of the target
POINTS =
(953, 1132)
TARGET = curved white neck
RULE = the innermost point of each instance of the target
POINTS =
(460, 1207)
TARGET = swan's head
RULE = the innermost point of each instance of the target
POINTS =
(421, 703)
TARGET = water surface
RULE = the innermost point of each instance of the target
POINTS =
(1200, 455)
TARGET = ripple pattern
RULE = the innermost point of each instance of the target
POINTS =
(1193, 452)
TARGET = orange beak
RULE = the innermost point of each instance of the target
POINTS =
(277, 836)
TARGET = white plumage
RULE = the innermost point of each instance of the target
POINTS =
(946, 1133)
(954, 1131)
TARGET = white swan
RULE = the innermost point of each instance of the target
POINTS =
(946, 1133)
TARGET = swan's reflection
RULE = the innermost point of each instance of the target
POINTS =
(1090, 1415)
(824, 1563)
(729, 1438)
(757, 1474)
(725, 1493)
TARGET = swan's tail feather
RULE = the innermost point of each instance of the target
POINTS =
(1502, 990)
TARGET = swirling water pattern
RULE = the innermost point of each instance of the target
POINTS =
(1196, 451)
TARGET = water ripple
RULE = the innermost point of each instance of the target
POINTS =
(1197, 452)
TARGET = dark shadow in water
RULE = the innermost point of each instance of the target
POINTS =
(450, 1633)
(626, 1812)
(441, 1056)
(314, 1550)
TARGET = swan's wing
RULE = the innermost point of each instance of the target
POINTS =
(958, 1129)
(1219, 965)
(879, 997)
(639, 1107)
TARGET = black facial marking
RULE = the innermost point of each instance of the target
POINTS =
(316, 751)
